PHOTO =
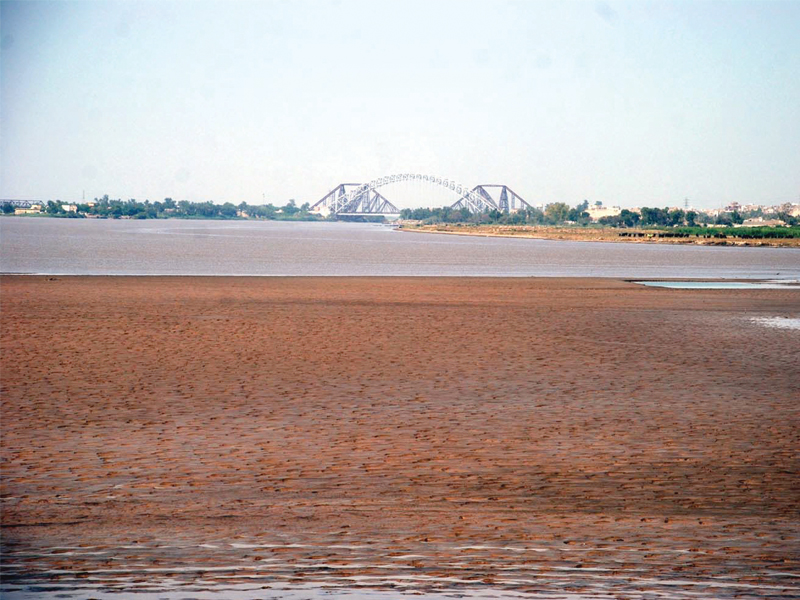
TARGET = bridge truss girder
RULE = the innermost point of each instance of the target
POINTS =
(504, 200)
(354, 199)
(369, 202)
(364, 199)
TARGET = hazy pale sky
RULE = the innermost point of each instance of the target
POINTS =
(634, 103)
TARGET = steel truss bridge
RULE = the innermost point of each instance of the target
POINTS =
(364, 199)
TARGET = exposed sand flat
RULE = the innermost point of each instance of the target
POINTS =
(528, 435)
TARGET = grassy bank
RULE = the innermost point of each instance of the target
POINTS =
(734, 236)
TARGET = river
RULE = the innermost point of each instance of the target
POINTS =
(186, 247)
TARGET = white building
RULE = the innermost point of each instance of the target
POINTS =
(598, 211)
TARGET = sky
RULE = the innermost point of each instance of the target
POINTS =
(629, 103)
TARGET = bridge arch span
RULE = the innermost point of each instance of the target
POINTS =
(365, 199)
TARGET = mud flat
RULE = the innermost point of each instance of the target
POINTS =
(594, 234)
(242, 436)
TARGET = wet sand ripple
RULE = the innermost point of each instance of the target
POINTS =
(541, 436)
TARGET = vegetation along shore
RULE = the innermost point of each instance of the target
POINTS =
(727, 236)
(748, 225)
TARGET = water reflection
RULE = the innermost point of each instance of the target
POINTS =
(725, 285)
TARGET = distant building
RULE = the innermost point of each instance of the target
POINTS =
(31, 209)
(792, 209)
(598, 211)
(762, 222)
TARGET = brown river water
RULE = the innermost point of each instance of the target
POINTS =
(178, 247)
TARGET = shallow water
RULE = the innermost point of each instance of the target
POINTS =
(724, 285)
(181, 247)
(310, 592)
(778, 322)
(369, 572)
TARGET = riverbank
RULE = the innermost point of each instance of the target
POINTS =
(540, 436)
(590, 234)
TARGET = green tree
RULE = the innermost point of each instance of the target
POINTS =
(53, 208)
(578, 216)
(723, 219)
(534, 216)
(227, 210)
(556, 212)
(610, 221)
(628, 218)
(676, 217)
(655, 216)
(290, 209)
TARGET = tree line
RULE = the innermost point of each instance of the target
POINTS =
(560, 213)
(553, 214)
(168, 208)
(556, 213)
